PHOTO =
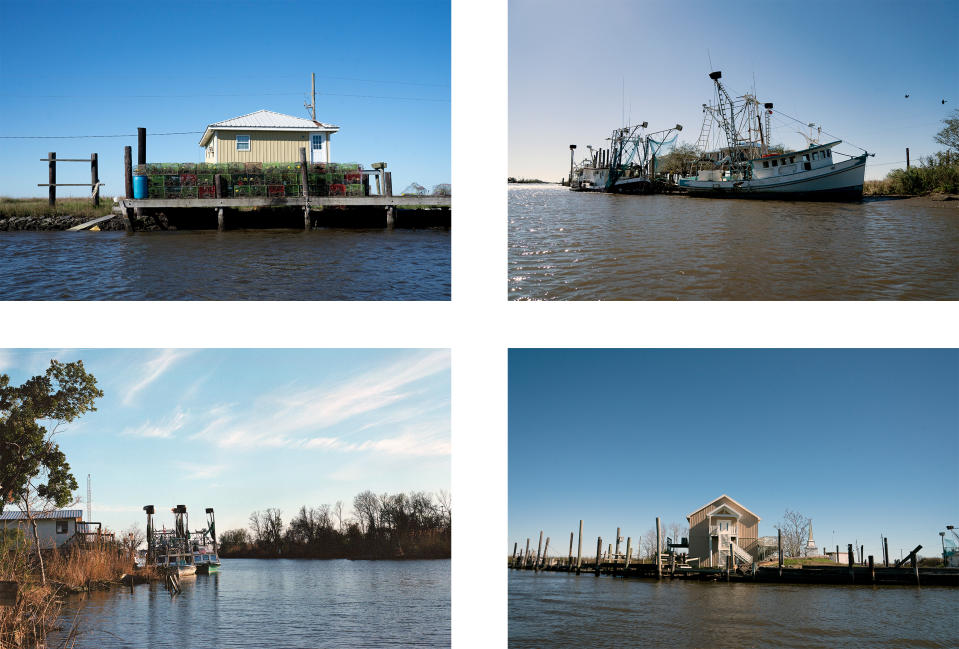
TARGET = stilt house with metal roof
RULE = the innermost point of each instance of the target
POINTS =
(720, 526)
(266, 136)
(53, 528)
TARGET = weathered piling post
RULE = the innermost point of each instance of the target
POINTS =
(780, 546)
(629, 550)
(659, 550)
(569, 560)
(872, 570)
(599, 552)
(915, 566)
(572, 150)
(609, 557)
(141, 145)
(305, 180)
(52, 174)
(618, 537)
(907, 158)
(512, 560)
(729, 561)
(885, 551)
(850, 557)
(218, 192)
(379, 167)
(128, 171)
(539, 547)
(545, 552)
(388, 191)
(95, 179)
(526, 554)
(579, 550)
(837, 554)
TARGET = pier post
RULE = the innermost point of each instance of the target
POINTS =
(599, 552)
(512, 560)
(95, 179)
(872, 570)
(388, 183)
(569, 559)
(539, 547)
(729, 562)
(52, 174)
(128, 171)
(616, 556)
(390, 217)
(885, 551)
(907, 158)
(545, 552)
(915, 566)
(579, 550)
(218, 193)
(141, 145)
(629, 550)
(850, 558)
(305, 180)
(526, 553)
(609, 557)
(780, 553)
(659, 550)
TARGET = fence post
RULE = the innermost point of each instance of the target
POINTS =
(94, 179)
(53, 178)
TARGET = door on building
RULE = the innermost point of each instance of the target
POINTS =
(316, 147)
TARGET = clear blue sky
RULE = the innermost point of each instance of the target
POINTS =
(843, 65)
(104, 68)
(862, 441)
(241, 430)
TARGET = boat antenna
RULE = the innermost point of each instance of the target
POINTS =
(710, 59)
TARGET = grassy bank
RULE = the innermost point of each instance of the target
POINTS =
(40, 207)
(38, 605)
(937, 174)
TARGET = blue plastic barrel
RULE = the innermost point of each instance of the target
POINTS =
(139, 187)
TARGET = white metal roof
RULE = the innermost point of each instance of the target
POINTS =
(63, 513)
(711, 502)
(267, 120)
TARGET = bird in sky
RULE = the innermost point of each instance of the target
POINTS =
(907, 96)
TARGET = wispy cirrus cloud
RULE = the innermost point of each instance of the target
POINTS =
(162, 429)
(193, 471)
(152, 370)
(292, 419)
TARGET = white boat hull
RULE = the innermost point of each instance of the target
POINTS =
(838, 181)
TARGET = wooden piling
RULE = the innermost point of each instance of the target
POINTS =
(539, 547)
(526, 553)
(599, 553)
(885, 551)
(390, 217)
(850, 557)
(128, 171)
(907, 158)
(569, 559)
(872, 570)
(915, 566)
(388, 183)
(780, 546)
(579, 550)
(545, 552)
(305, 180)
(629, 549)
(95, 179)
(512, 560)
(52, 192)
(141, 146)
(616, 556)
(659, 550)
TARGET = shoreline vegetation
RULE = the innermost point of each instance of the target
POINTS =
(386, 526)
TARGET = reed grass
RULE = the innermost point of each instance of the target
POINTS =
(40, 207)
(77, 568)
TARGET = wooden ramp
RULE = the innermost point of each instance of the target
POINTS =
(90, 224)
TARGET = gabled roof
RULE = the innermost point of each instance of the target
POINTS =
(63, 513)
(740, 505)
(267, 120)
(725, 510)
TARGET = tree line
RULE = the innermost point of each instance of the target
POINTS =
(385, 526)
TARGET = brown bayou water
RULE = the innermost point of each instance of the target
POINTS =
(560, 610)
(275, 603)
(323, 264)
(567, 245)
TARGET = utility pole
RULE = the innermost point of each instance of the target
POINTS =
(312, 106)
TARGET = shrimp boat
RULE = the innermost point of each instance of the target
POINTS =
(170, 550)
(627, 166)
(746, 167)
(205, 555)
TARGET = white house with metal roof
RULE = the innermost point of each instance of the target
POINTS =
(266, 136)
(53, 528)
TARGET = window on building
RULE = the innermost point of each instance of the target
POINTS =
(815, 156)
(61, 527)
(828, 153)
(317, 141)
(792, 158)
(766, 164)
(242, 142)
(774, 163)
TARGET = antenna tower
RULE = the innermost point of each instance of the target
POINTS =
(89, 500)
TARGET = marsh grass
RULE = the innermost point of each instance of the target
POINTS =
(934, 174)
(40, 207)
(78, 568)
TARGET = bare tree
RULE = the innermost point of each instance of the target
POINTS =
(795, 530)
(366, 507)
(647, 544)
(132, 538)
(338, 512)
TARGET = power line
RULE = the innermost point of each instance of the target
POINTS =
(244, 94)
(74, 137)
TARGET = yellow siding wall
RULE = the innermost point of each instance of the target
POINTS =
(265, 146)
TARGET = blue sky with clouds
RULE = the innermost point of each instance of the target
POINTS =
(844, 65)
(108, 67)
(862, 441)
(241, 430)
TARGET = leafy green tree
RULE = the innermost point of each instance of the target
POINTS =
(34, 472)
(949, 135)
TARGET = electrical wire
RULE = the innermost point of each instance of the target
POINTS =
(74, 137)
